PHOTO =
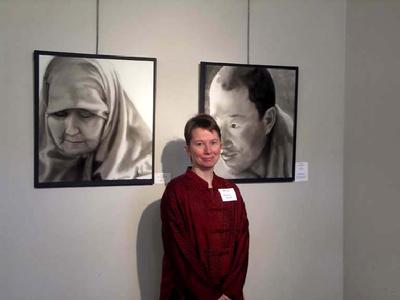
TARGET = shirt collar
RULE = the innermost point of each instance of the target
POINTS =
(201, 183)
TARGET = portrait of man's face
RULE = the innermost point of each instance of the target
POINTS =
(255, 107)
(243, 133)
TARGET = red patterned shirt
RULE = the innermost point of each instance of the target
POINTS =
(206, 240)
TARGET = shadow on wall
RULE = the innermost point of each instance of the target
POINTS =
(149, 247)
(174, 159)
(149, 252)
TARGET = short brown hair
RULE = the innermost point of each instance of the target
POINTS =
(204, 121)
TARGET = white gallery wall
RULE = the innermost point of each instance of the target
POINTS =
(104, 242)
(372, 147)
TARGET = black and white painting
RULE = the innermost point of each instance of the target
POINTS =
(256, 108)
(94, 119)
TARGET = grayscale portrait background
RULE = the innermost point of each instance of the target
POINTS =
(285, 80)
(112, 99)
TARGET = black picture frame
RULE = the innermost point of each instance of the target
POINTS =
(245, 158)
(94, 119)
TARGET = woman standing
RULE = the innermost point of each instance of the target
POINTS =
(204, 225)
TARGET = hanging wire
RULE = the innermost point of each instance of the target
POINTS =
(97, 26)
(248, 31)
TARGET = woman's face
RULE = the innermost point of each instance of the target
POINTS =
(204, 148)
(75, 128)
(75, 132)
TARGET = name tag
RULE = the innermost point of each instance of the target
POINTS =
(227, 194)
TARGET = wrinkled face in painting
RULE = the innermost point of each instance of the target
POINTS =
(244, 133)
(204, 148)
(76, 114)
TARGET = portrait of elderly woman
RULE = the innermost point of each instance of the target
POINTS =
(89, 129)
(255, 107)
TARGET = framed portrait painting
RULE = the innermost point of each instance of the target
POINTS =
(255, 107)
(94, 119)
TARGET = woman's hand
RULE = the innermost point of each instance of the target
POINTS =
(224, 297)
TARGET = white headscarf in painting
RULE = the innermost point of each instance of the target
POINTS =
(125, 147)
